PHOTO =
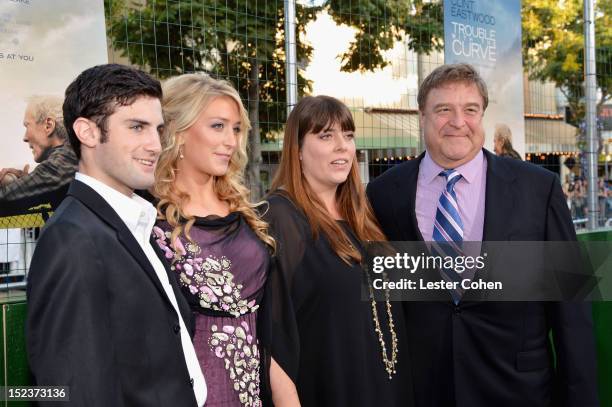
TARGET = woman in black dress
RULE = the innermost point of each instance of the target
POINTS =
(329, 347)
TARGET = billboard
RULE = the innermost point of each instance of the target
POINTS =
(487, 35)
(44, 45)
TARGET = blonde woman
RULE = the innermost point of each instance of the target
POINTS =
(218, 246)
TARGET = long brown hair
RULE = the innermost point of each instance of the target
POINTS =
(313, 115)
(185, 96)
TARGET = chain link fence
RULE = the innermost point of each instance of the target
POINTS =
(370, 54)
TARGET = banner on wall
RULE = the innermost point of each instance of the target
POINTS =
(44, 45)
(487, 35)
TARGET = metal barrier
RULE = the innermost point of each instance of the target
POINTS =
(18, 233)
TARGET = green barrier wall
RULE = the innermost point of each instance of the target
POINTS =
(13, 359)
(602, 317)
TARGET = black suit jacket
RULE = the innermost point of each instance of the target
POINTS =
(495, 354)
(99, 320)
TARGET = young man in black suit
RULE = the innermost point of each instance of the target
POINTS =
(105, 317)
(483, 353)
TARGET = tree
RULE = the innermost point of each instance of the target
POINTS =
(240, 41)
(553, 39)
(243, 41)
(380, 24)
(553, 48)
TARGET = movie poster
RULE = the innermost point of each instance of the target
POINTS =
(487, 34)
(44, 45)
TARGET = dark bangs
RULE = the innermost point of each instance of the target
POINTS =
(320, 112)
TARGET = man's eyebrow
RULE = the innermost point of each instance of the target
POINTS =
(447, 104)
(138, 121)
(440, 105)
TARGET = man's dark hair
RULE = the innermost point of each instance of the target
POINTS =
(96, 93)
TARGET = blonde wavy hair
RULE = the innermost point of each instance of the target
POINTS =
(185, 97)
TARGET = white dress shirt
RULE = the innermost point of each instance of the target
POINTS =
(139, 217)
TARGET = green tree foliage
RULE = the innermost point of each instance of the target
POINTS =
(380, 24)
(241, 41)
(553, 39)
(553, 47)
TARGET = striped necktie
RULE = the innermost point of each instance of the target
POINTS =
(448, 230)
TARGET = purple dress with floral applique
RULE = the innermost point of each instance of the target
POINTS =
(222, 272)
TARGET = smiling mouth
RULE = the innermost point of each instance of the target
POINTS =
(148, 163)
(339, 162)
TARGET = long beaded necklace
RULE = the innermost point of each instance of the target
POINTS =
(389, 363)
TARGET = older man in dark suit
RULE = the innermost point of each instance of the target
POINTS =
(483, 353)
(105, 318)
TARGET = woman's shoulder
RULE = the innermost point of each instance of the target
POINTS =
(279, 201)
(282, 209)
(279, 197)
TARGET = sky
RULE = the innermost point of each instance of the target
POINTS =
(382, 88)
(396, 85)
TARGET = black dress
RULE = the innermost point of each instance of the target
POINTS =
(322, 332)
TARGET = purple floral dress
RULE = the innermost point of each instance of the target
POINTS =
(222, 273)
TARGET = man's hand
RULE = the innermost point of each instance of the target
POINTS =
(8, 175)
(17, 173)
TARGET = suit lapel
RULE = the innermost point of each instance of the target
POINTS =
(404, 206)
(499, 203)
(499, 199)
(90, 198)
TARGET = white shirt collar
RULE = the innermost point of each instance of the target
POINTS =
(137, 213)
(139, 216)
